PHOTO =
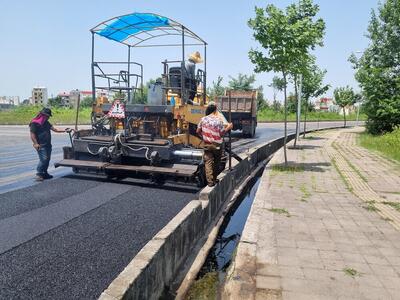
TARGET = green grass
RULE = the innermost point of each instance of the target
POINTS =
(370, 207)
(341, 175)
(274, 116)
(306, 193)
(288, 169)
(204, 288)
(335, 146)
(22, 115)
(282, 211)
(387, 144)
(351, 272)
(395, 205)
(313, 182)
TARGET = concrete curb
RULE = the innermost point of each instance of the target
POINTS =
(156, 266)
(241, 275)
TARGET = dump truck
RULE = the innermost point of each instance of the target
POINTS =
(156, 140)
(243, 107)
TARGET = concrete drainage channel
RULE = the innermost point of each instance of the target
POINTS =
(212, 274)
(169, 263)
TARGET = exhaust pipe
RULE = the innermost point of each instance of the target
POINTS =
(189, 154)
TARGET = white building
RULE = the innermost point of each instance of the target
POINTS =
(70, 99)
(11, 100)
(39, 96)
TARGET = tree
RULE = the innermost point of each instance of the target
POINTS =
(301, 17)
(291, 103)
(378, 69)
(286, 39)
(245, 83)
(217, 88)
(344, 97)
(242, 82)
(277, 85)
(86, 102)
(276, 106)
(55, 102)
(261, 102)
(312, 87)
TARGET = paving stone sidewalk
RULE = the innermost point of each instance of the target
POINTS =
(322, 228)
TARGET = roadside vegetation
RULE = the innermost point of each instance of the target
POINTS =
(378, 73)
(387, 144)
(22, 115)
(204, 288)
(269, 115)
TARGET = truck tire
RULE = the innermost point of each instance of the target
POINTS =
(253, 131)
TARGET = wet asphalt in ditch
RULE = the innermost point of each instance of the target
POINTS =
(69, 237)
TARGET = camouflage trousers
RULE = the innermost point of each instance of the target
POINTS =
(212, 159)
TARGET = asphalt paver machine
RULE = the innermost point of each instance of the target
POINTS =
(157, 139)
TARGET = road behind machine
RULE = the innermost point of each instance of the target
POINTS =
(243, 105)
(157, 139)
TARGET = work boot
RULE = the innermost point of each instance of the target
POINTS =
(39, 178)
(47, 176)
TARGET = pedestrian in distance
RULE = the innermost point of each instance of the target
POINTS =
(41, 137)
(212, 129)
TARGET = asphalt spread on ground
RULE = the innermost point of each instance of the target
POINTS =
(79, 258)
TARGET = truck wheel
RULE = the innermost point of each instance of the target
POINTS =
(253, 132)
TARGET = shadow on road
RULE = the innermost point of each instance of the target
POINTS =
(169, 186)
(303, 147)
(315, 138)
(301, 167)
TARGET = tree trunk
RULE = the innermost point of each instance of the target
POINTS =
(305, 119)
(297, 116)
(344, 115)
(285, 126)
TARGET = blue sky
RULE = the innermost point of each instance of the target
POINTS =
(47, 42)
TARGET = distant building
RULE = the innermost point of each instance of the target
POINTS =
(70, 99)
(64, 99)
(73, 98)
(75, 94)
(39, 96)
(85, 94)
(324, 104)
(9, 100)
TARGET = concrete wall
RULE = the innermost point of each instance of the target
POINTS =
(156, 266)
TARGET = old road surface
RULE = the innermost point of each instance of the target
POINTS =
(69, 237)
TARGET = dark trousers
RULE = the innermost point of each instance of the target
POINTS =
(212, 159)
(44, 154)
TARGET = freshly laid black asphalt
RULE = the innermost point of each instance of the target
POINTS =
(78, 259)
(69, 237)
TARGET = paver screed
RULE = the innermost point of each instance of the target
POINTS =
(322, 227)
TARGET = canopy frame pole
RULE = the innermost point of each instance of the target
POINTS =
(183, 66)
(205, 75)
(129, 75)
(230, 131)
(93, 75)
